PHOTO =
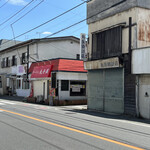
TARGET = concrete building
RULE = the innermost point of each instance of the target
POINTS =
(118, 73)
(62, 81)
(16, 59)
(7, 43)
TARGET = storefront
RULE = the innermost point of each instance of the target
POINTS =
(59, 86)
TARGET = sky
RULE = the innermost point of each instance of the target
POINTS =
(40, 12)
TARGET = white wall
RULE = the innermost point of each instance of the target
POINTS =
(38, 88)
(144, 100)
(23, 92)
(141, 61)
(56, 49)
(65, 95)
(71, 76)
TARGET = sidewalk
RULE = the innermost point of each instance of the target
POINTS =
(13, 98)
(83, 109)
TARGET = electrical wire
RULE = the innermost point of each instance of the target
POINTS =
(47, 21)
(16, 13)
(28, 12)
(4, 4)
(59, 23)
(21, 18)
(74, 23)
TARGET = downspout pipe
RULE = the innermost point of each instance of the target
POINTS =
(137, 96)
(130, 45)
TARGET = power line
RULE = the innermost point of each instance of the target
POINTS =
(8, 24)
(4, 4)
(47, 21)
(16, 13)
(59, 23)
(85, 19)
(79, 21)
(27, 12)
(22, 17)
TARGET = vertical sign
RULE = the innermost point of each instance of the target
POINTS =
(83, 49)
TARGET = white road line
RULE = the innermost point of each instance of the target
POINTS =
(6, 102)
(2, 104)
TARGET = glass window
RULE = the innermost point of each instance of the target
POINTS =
(77, 88)
(7, 62)
(64, 85)
(25, 84)
(24, 58)
(18, 83)
(14, 60)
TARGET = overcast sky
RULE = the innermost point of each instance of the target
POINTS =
(46, 10)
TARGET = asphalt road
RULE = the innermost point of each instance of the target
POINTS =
(25, 126)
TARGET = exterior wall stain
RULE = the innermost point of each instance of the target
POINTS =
(143, 27)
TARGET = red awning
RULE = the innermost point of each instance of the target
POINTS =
(42, 71)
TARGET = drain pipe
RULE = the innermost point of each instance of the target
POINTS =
(137, 96)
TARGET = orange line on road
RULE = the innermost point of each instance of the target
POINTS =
(75, 130)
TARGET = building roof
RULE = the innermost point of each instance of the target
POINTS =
(25, 43)
(100, 9)
(60, 64)
(4, 44)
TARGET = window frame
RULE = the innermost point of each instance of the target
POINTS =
(64, 85)
(107, 43)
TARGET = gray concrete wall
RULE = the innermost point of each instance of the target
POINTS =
(96, 6)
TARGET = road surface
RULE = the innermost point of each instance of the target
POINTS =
(25, 126)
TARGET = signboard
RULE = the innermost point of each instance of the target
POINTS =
(20, 70)
(83, 48)
(102, 64)
(42, 71)
(76, 88)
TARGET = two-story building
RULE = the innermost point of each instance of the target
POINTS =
(117, 30)
(15, 60)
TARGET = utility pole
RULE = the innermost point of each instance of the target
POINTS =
(27, 63)
(130, 44)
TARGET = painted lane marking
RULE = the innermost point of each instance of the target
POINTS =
(2, 103)
(75, 130)
(6, 102)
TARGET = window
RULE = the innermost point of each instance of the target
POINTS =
(107, 43)
(3, 63)
(78, 56)
(24, 58)
(0, 82)
(25, 84)
(77, 88)
(64, 85)
(14, 60)
(53, 80)
(18, 83)
(7, 62)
